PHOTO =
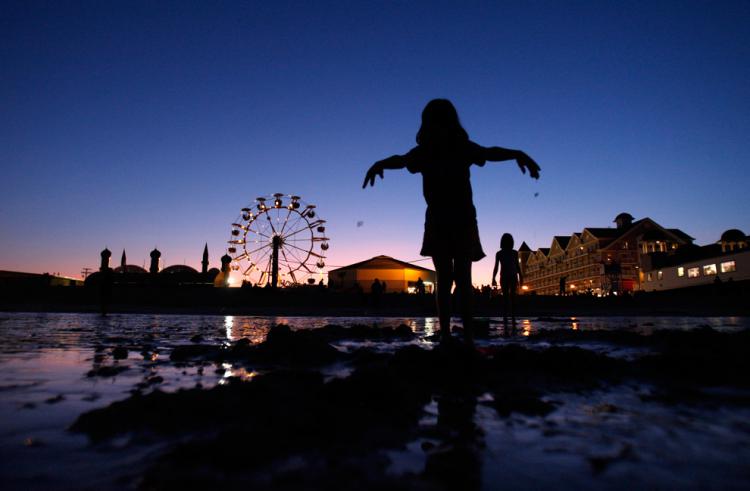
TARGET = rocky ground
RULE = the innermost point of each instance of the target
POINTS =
(294, 425)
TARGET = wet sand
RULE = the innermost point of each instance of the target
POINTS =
(157, 402)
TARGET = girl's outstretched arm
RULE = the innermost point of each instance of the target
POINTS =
(498, 154)
(393, 162)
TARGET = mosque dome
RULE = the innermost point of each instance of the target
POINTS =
(178, 269)
(130, 268)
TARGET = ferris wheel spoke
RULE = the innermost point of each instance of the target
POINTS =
(270, 222)
(287, 264)
(294, 256)
(296, 232)
(257, 232)
(262, 257)
(297, 220)
(258, 249)
(288, 214)
(260, 234)
(307, 252)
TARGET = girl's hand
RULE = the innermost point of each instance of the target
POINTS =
(375, 170)
(526, 162)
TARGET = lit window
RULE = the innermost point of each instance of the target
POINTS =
(659, 275)
(728, 267)
(709, 269)
(694, 272)
(648, 277)
(680, 271)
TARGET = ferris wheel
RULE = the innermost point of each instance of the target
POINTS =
(278, 241)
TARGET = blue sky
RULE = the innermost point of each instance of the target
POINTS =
(137, 124)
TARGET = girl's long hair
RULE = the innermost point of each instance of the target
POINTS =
(440, 124)
(506, 241)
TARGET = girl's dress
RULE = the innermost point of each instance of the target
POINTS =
(450, 228)
(508, 259)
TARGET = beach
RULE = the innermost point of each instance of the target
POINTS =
(154, 401)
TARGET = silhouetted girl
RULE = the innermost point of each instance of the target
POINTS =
(510, 276)
(443, 156)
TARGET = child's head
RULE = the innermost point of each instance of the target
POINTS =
(506, 241)
(440, 123)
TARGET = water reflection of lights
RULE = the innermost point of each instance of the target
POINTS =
(526, 327)
(430, 326)
(574, 323)
(232, 372)
(229, 325)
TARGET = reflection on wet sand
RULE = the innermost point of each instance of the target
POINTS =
(555, 400)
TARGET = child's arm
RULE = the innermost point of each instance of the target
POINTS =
(499, 154)
(494, 271)
(393, 162)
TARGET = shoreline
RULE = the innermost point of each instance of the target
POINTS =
(360, 312)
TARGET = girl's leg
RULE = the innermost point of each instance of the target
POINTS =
(444, 270)
(465, 292)
(506, 307)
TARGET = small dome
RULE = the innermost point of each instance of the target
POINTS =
(733, 235)
(155, 253)
(624, 216)
(226, 259)
(177, 269)
(106, 253)
(130, 268)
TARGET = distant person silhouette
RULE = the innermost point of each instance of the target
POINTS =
(420, 287)
(443, 156)
(510, 277)
(376, 290)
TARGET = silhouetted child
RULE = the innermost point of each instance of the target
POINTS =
(443, 156)
(510, 276)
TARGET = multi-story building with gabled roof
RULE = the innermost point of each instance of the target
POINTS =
(598, 260)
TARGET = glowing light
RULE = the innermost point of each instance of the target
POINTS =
(526, 327)
(525, 287)
(229, 325)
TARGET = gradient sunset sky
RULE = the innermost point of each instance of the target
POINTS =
(141, 124)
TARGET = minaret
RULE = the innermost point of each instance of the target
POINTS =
(204, 263)
(226, 260)
(106, 254)
(222, 279)
(155, 255)
(123, 262)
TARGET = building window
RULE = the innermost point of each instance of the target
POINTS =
(659, 275)
(648, 277)
(709, 269)
(694, 272)
(728, 267)
(680, 271)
